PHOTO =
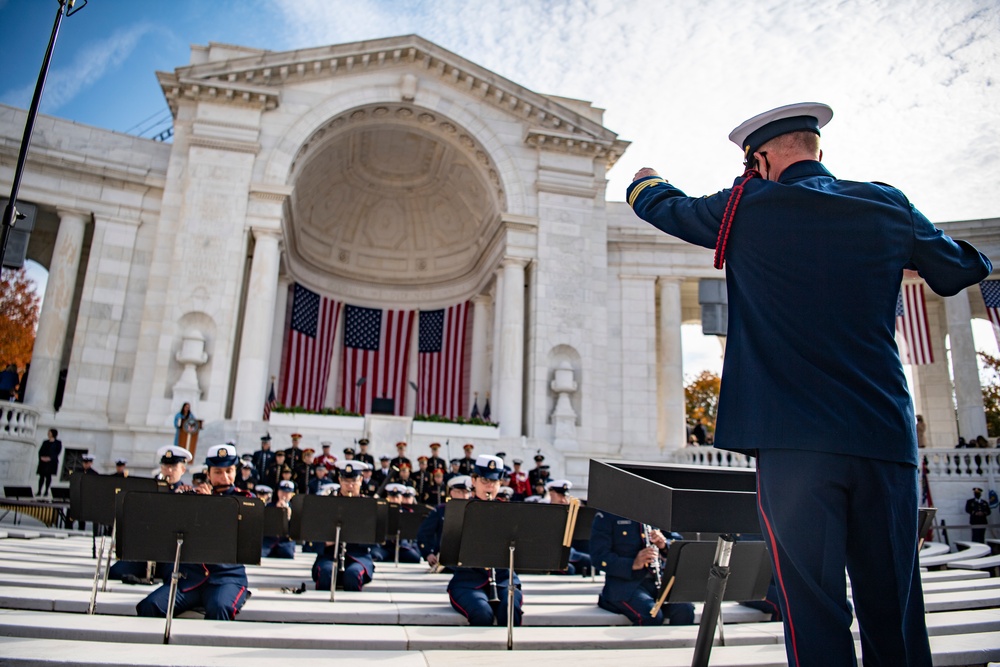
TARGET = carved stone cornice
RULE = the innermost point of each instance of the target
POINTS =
(177, 88)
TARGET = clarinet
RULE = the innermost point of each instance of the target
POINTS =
(655, 567)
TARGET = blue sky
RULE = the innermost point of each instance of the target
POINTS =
(915, 84)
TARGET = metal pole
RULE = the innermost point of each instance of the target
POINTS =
(510, 601)
(10, 211)
(172, 597)
(336, 562)
(717, 579)
(111, 550)
(97, 579)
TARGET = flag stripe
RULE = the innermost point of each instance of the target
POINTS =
(384, 367)
(913, 326)
(308, 349)
(442, 361)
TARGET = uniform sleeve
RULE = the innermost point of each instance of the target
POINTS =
(946, 265)
(692, 219)
(427, 535)
(601, 539)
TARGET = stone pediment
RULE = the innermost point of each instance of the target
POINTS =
(250, 77)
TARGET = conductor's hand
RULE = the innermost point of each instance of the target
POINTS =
(645, 558)
(432, 560)
(645, 172)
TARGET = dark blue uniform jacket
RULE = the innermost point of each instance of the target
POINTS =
(614, 543)
(813, 271)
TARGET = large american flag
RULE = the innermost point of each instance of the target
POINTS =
(441, 361)
(377, 350)
(911, 323)
(305, 363)
(991, 297)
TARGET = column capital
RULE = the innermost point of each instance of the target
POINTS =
(482, 300)
(67, 212)
(261, 233)
(514, 262)
(669, 280)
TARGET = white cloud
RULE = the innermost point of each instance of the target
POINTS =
(92, 62)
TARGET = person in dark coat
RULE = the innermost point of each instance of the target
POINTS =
(978, 509)
(48, 461)
(814, 267)
(358, 568)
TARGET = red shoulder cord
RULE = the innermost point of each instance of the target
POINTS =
(727, 217)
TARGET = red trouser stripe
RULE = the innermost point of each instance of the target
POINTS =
(237, 601)
(777, 567)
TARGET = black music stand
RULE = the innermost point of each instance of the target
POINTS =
(339, 520)
(404, 525)
(685, 498)
(92, 498)
(190, 528)
(528, 537)
(925, 522)
(275, 521)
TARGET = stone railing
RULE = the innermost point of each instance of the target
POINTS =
(715, 458)
(959, 464)
(17, 422)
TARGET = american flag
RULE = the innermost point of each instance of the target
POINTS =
(991, 297)
(305, 363)
(911, 323)
(272, 400)
(376, 349)
(441, 361)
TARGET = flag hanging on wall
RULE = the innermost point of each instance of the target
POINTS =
(911, 323)
(991, 297)
(305, 361)
(441, 361)
(376, 356)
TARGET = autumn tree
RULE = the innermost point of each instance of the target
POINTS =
(18, 317)
(991, 394)
(701, 398)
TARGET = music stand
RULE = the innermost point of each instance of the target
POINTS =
(275, 521)
(190, 528)
(339, 520)
(523, 536)
(685, 498)
(402, 525)
(95, 497)
(925, 521)
(584, 522)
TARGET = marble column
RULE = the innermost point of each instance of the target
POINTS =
(670, 427)
(479, 373)
(255, 347)
(965, 367)
(50, 337)
(278, 331)
(932, 386)
(508, 405)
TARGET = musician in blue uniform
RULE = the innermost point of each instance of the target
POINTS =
(630, 566)
(432, 527)
(173, 464)
(408, 552)
(357, 567)
(263, 457)
(283, 546)
(579, 561)
(480, 594)
(812, 382)
(221, 589)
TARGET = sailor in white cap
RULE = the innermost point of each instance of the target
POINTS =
(558, 494)
(280, 546)
(813, 273)
(221, 589)
(432, 527)
(469, 588)
(359, 568)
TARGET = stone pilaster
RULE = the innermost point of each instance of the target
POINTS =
(670, 425)
(50, 338)
(965, 368)
(509, 401)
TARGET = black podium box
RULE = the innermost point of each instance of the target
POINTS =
(675, 497)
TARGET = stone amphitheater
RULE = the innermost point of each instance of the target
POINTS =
(403, 618)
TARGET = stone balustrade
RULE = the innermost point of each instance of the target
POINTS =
(17, 422)
(961, 464)
(712, 457)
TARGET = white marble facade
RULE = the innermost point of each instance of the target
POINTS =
(387, 173)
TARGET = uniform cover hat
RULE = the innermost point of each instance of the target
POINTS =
(286, 485)
(463, 481)
(171, 454)
(757, 131)
(488, 467)
(221, 456)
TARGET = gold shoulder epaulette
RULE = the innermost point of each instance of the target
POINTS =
(642, 186)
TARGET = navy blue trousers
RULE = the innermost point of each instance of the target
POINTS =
(641, 602)
(821, 513)
(352, 578)
(221, 601)
(473, 603)
(273, 547)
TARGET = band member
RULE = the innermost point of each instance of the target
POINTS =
(247, 478)
(400, 457)
(358, 567)
(505, 494)
(535, 474)
(519, 482)
(435, 490)
(120, 469)
(429, 533)
(263, 457)
(632, 569)
(294, 454)
(302, 474)
(283, 546)
(326, 459)
(320, 476)
(579, 562)
(978, 509)
(421, 476)
(363, 454)
(466, 464)
(221, 589)
(369, 487)
(453, 472)
(383, 473)
(403, 475)
(273, 473)
(408, 550)
(435, 461)
(173, 465)
(264, 492)
(480, 594)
